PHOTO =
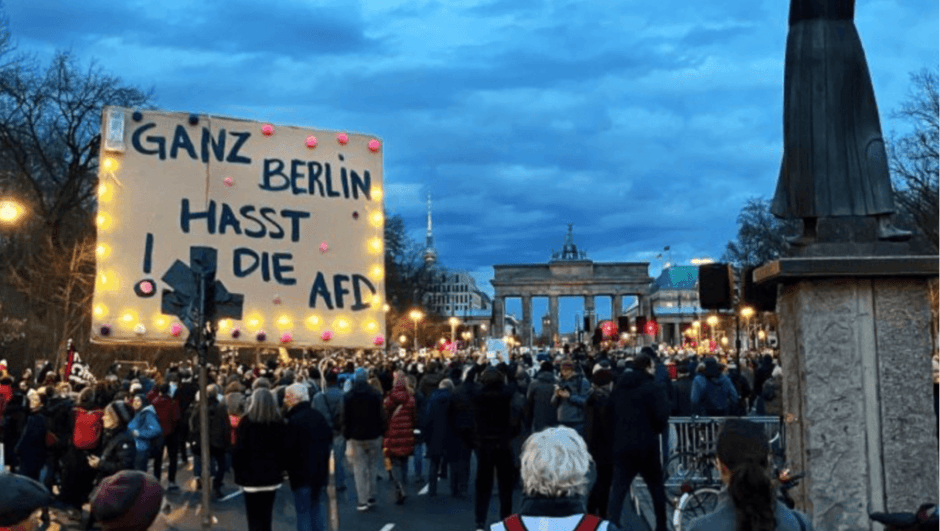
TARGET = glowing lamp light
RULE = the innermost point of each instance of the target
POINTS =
(254, 321)
(10, 211)
(105, 193)
(283, 321)
(370, 326)
(225, 324)
(110, 164)
(102, 251)
(103, 221)
(376, 219)
(160, 322)
(376, 299)
(342, 325)
(100, 311)
(375, 245)
(377, 272)
(376, 193)
(313, 322)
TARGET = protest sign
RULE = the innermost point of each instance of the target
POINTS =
(293, 216)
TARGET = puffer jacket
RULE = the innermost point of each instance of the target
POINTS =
(400, 436)
(147, 425)
(119, 453)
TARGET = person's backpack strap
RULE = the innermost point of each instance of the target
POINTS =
(514, 523)
(589, 522)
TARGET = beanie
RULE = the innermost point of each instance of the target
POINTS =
(127, 501)
(361, 375)
(20, 496)
(546, 366)
(122, 411)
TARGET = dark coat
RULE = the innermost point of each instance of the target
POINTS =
(259, 456)
(31, 447)
(307, 448)
(540, 413)
(363, 418)
(598, 432)
(492, 411)
(639, 412)
(220, 428)
(401, 410)
(439, 434)
(682, 388)
(119, 453)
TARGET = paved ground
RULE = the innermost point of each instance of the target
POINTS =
(420, 512)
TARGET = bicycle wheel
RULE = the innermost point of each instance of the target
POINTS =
(683, 472)
(694, 504)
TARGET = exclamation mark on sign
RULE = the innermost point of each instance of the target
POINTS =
(147, 287)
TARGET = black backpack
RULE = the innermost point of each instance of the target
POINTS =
(714, 401)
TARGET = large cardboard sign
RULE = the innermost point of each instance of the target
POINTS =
(293, 216)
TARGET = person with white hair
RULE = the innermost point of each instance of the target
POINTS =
(307, 454)
(555, 467)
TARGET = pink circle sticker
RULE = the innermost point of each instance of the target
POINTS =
(342, 138)
(379, 339)
(326, 335)
(312, 141)
(176, 329)
(324, 247)
(228, 181)
(374, 145)
(286, 337)
(146, 287)
(267, 129)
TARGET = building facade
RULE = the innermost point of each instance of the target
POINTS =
(454, 293)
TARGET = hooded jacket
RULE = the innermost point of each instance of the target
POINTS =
(401, 412)
(571, 409)
(713, 394)
(362, 413)
(540, 413)
(638, 412)
(147, 425)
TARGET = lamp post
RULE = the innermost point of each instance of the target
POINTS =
(453, 321)
(10, 211)
(712, 323)
(697, 325)
(416, 316)
(747, 312)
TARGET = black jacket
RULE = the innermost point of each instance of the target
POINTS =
(492, 411)
(307, 447)
(220, 428)
(540, 412)
(682, 406)
(598, 432)
(363, 416)
(639, 412)
(259, 457)
(119, 453)
(439, 433)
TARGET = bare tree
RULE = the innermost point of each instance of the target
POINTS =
(760, 235)
(913, 158)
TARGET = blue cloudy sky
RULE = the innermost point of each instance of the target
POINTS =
(646, 124)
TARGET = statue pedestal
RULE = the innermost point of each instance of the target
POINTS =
(855, 345)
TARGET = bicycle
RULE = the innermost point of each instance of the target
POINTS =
(688, 470)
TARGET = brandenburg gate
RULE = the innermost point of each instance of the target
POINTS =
(570, 273)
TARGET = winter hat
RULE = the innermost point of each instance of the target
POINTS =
(602, 376)
(546, 366)
(361, 375)
(122, 411)
(20, 496)
(711, 367)
(35, 401)
(127, 501)
(567, 363)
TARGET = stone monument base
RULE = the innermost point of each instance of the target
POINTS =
(855, 343)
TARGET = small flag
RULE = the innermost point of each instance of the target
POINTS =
(659, 256)
(666, 248)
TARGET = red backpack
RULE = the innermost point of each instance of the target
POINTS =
(88, 428)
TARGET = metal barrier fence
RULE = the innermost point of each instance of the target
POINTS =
(692, 440)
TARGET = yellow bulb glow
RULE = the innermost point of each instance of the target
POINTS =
(110, 164)
(376, 299)
(284, 321)
(105, 193)
(313, 322)
(376, 193)
(225, 324)
(255, 321)
(160, 322)
(10, 211)
(102, 251)
(375, 245)
(104, 221)
(342, 324)
(107, 280)
(129, 319)
(376, 218)
(100, 311)
(377, 272)
(370, 326)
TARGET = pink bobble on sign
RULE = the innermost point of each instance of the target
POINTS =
(342, 138)
(379, 339)
(267, 129)
(261, 336)
(326, 335)
(176, 329)
(228, 181)
(146, 288)
(374, 145)
(286, 337)
(324, 247)
(311, 142)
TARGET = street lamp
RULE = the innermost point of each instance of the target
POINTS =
(747, 312)
(10, 211)
(416, 316)
(453, 327)
(696, 324)
(760, 338)
(401, 339)
(712, 323)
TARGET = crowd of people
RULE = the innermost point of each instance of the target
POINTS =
(415, 418)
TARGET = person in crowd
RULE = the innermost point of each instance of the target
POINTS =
(399, 441)
(555, 466)
(540, 412)
(771, 397)
(307, 455)
(21, 500)
(329, 402)
(58, 409)
(765, 367)
(31, 447)
(570, 394)
(739, 408)
(187, 395)
(220, 438)
(13, 421)
(77, 477)
(492, 409)
(682, 391)
(168, 413)
(127, 501)
(462, 422)
(749, 500)
(363, 425)
(145, 427)
(713, 394)
(259, 458)
(639, 413)
(442, 441)
(598, 434)
(118, 447)
(421, 402)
